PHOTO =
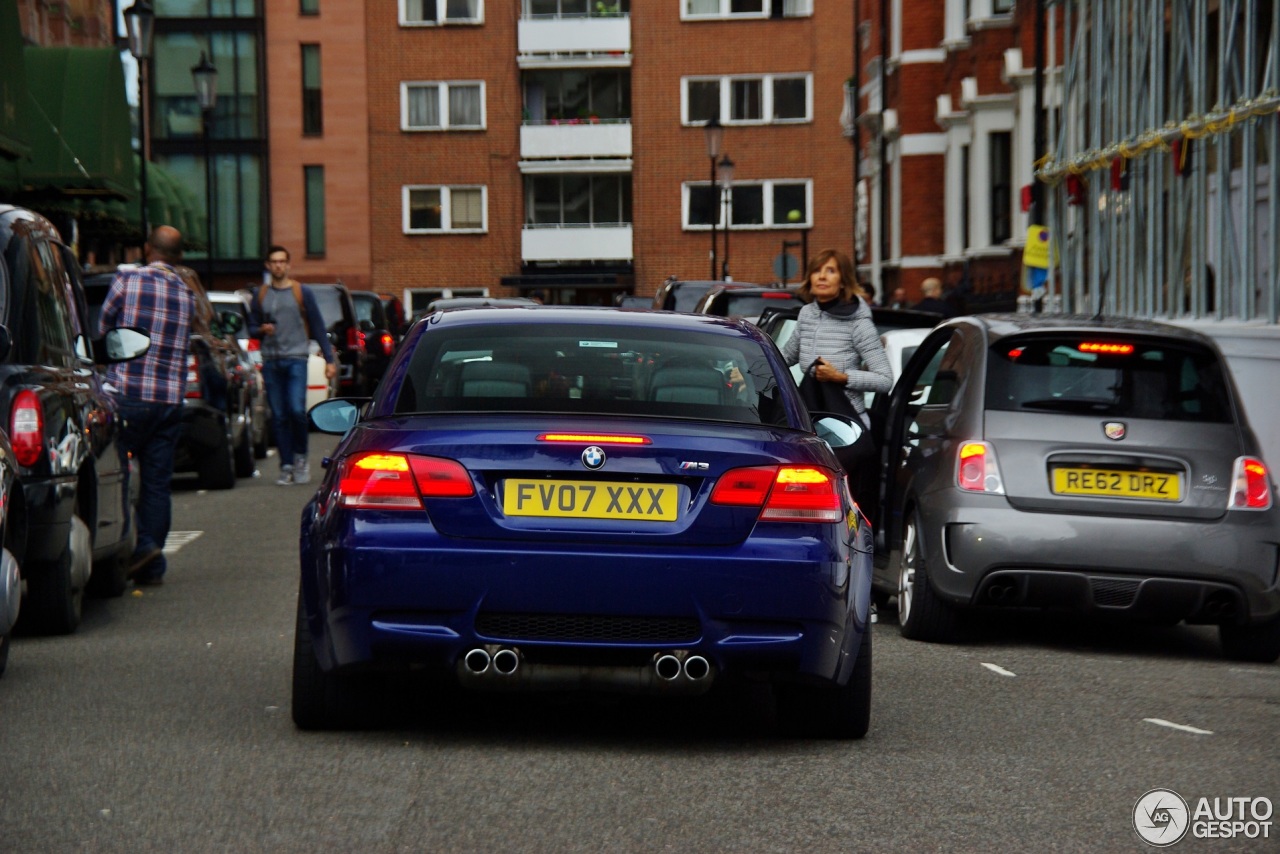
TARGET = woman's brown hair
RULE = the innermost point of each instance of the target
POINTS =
(849, 287)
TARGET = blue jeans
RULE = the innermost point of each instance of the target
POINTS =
(286, 381)
(150, 432)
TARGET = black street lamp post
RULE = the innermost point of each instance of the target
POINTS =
(140, 21)
(205, 77)
(713, 133)
(726, 196)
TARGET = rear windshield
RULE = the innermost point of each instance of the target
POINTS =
(752, 305)
(591, 368)
(687, 296)
(369, 308)
(1107, 375)
(330, 302)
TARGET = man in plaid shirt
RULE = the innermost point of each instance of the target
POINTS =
(149, 389)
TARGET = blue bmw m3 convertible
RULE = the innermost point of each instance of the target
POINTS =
(586, 499)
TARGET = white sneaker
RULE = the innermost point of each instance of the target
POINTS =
(286, 476)
(301, 470)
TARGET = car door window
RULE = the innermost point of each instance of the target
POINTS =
(48, 286)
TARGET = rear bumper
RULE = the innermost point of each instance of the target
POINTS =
(778, 610)
(1218, 571)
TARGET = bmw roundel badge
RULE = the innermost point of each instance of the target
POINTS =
(1114, 430)
(593, 457)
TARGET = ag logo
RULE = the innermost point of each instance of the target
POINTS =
(593, 457)
(1161, 817)
(1114, 430)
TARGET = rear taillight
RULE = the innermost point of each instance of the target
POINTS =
(26, 428)
(193, 379)
(355, 339)
(1250, 485)
(785, 493)
(377, 481)
(977, 469)
(387, 343)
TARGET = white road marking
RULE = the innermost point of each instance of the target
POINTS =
(1182, 727)
(995, 668)
(178, 539)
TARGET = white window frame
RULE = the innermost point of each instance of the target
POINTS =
(768, 224)
(446, 213)
(801, 9)
(441, 20)
(726, 89)
(442, 87)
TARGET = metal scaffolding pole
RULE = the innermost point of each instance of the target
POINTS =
(1163, 188)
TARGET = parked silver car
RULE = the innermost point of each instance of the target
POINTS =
(1090, 465)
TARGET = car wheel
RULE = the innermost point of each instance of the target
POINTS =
(110, 577)
(217, 469)
(244, 464)
(320, 700)
(832, 711)
(55, 592)
(264, 440)
(921, 614)
(1258, 643)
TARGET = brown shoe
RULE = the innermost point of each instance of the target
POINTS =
(141, 560)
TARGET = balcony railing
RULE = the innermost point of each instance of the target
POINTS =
(577, 242)
(577, 137)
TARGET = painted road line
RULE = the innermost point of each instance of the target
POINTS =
(1182, 727)
(995, 668)
(178, 539)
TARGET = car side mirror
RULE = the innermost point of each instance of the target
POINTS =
(120, 345)
(837, 431)
(335, 416)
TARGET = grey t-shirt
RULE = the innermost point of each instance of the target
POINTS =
(290, 338)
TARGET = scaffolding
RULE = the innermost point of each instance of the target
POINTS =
(1164, 138)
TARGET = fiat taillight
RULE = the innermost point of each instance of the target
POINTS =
(977, 469)
(1250, 485)
(790, 493)
(26, 427)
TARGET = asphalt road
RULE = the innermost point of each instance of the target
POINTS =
(163, 726)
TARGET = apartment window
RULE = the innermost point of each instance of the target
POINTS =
(436, 210)
(577, 199)
(702, 9)
(312, 106)
(442, 105)
(308, 7)
(770, 99)
(576, 95)
(313, 188)
(755, 204)
(1000, 151)
(417, 13)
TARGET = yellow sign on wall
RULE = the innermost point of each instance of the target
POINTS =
(1036, 252)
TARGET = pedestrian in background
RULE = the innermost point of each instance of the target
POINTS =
(933, 301)
(285, 316)
(150, 388)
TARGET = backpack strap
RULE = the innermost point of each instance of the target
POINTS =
(297, 295)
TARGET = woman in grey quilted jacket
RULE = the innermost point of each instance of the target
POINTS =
(835, 331)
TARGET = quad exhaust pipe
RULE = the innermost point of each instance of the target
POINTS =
(499, 667)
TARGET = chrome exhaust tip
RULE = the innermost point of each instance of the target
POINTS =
(667, 666)
(696, 667)
(476, 661)
(505, 661)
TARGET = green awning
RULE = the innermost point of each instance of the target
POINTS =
(13, 85)
(79, 121)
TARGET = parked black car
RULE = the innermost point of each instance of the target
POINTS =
(681, 295)
(218, 409)
(349, 342)
(380, 340)
(69, 521)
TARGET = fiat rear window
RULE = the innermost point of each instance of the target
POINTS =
(1112, 376)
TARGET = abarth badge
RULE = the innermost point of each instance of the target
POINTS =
(593, 457)
(1114, 430)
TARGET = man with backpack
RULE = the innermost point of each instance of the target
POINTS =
(285, 316)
